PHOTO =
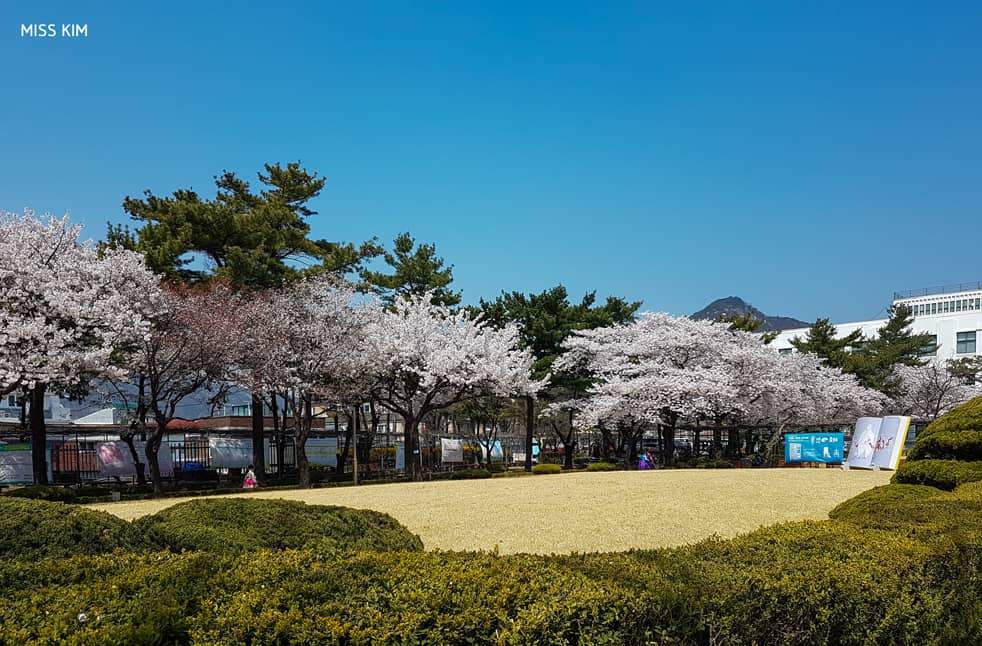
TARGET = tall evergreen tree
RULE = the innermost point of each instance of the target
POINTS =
(544, 321)
(821, 340)
(252, 240)
(894, 345)
(415, 270)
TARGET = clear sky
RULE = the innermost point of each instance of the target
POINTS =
(809, 157)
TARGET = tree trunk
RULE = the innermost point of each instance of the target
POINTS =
(354, 471)
(300, 448)
(632, 457)
(413, 456)
(668, 444)
(152, 448)
(258, 438)
(717, 442)
(39, 435)
(127, 437)
(529, 429)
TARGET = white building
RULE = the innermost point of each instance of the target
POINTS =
(951, 314)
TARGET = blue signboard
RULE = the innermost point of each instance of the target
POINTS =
(814, 447)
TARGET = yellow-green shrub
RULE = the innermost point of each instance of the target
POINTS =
(235, 525)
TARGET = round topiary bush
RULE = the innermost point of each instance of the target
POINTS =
(602, 466)
(876, 500)
(34, 529)
(943, 474)
(238, 525)
(956, 435)
(540, 469)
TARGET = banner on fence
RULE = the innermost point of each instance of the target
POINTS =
(16, 466)
(230, 452)
(322, 451)
(400, 456)
(451, 450)
(814, 447)
(497, 453)
(115, 459)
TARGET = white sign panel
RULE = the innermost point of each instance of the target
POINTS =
(451, 450)
(322, 451)
(230, 452)
(863, 445)
(890, 442)
(16, 466)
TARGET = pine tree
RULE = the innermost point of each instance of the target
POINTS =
(416, 270)
(821, 340)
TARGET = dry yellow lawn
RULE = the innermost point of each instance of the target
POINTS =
(586, 512)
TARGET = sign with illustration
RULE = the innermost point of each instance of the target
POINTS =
(16, 466)
(890, 441)
(115, 459)
(814, 447)
(864, 442)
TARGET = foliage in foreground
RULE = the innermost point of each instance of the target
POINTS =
(34, 529)
(236, 525)
(942, 474)
(893, 569)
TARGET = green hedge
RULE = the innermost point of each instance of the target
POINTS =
(237, 525)
(33, 529)
(540, 469)
(601, 466)
(967, 417)
(470, 474)
(51, 493)
(797, 583)
(943, 474)
(875, 500)
(948, 445)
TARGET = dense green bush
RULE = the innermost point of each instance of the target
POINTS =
(967, 417)
(948, 445)
(877, 499)
(943, 474)
(546, 468)
(601, 466)
(33, 529)
(235, 525)
(51, 493)
(797, 583)
(470, 474)
(956, 435)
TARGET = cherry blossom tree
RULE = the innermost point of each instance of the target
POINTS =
(663, 371)
(426, 358)
(929, 391)
(188, 351)
(65, 311)
(314, 338)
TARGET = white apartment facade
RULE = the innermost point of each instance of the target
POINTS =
(952, 315)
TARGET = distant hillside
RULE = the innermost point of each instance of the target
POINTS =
(734, 305)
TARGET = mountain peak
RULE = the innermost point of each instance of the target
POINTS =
(736, 306)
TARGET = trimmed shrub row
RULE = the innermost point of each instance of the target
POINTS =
(540, 469)
(470, 474)
(33, 529)
(943, 474)
(797, 583)
(238, 525)
(601, 466)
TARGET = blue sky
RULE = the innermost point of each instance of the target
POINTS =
(809, 157)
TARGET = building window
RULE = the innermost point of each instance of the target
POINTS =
(931, 347)
(958, 306)
(242, 410)
(785, 351)
(965, 343)
(978, 302)
(934, 308)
